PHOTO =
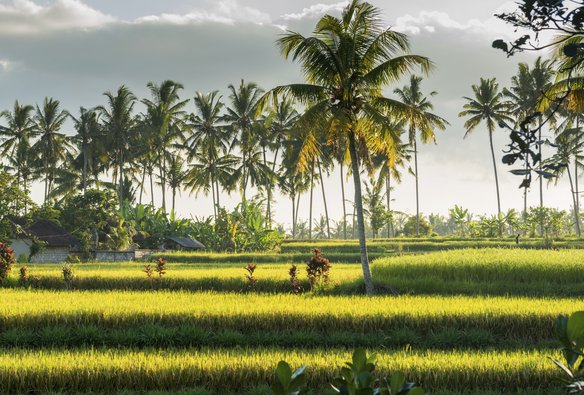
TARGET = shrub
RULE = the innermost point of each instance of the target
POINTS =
(294, 283)
(7, 260)
(68, 275)
(318, 269)
(24, 275)
(251, 280)
(160, 267)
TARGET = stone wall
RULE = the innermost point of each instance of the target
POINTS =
(114, 256)
(51, 255)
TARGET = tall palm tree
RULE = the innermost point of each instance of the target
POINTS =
(120, 124)
(52, 146)
(347, 62)
(419, 119)
(242, 117)
(164, 114)
(16, 141)
(88, 139)
(527, 94)
(209, 138)
(281, 120)
(175, 175)
(487, 105)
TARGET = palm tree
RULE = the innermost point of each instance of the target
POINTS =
(488, 106)
(120, 125)
(52, 146)
(419, 119)
(279, 124)
(87, 140)
(16, 144)
(527, 94)
(242, 117)
(347, 62)
(164, 114)
(209, 138)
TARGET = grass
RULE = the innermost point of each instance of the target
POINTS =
(486, 271)
(219, 369)
(472, 321)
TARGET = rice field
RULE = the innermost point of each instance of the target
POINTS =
(474, 321)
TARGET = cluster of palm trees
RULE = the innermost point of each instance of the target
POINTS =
(540, 90)
(254, 139)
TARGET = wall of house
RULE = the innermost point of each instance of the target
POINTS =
(51, 255)
(21, 247)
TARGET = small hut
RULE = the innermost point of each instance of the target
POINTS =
(58, 243)
(183, 244)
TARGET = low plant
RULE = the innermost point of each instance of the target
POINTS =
(318, 269)
(24, 275)
(160, 267)
(288, 382)
(355, 378)
(294, 283)
(7, 260)
(570, 331)
(68, 275)
(251, 279)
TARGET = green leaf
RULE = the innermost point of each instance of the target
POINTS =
(396, 381)
(500, 44)
(284, 373)
(575, 328)
(416, 391)
(519, 172)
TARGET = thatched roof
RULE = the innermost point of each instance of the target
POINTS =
(52, 234)
(187, 242)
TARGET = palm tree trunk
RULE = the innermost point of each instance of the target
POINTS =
(269, 192)
(496, 179)
(417, 189)
(297, 208)
(360, 218)
(217, 194)
(162, 182)
(151, 175)
(214, 197)
(173, 197)
(142, 185)
(121, 175)
(577, 191)
(328, 227)
(243, 174)
(540, 179)
(577, 222)
(388, 198)
(293, 215)
(344, 203)
(310, 209)
(84, 175)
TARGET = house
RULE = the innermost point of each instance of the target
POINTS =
(58, 243)
(182, 243)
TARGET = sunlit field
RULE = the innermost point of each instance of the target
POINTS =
(464, 320)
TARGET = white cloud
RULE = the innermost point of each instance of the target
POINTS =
(5, 65)
(316, 10)
(225, 11)
(430, 21)
(25, 16)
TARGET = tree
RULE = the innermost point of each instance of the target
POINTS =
(120, 125)
(12, 202)
(209, 142)
(51, 146)
(16, 144)
(373, 200)
(242, 116)
(527, 93)
(88, 140)
(419, 119)
(164, 114)
(487, 105)
(347, 62)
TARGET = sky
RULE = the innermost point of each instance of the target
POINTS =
(75, 50)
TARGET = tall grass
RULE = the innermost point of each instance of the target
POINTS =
(486, 271)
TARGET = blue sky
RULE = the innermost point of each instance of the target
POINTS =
(74, 50)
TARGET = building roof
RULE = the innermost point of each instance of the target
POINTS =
(187, 242)
(52, 234)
